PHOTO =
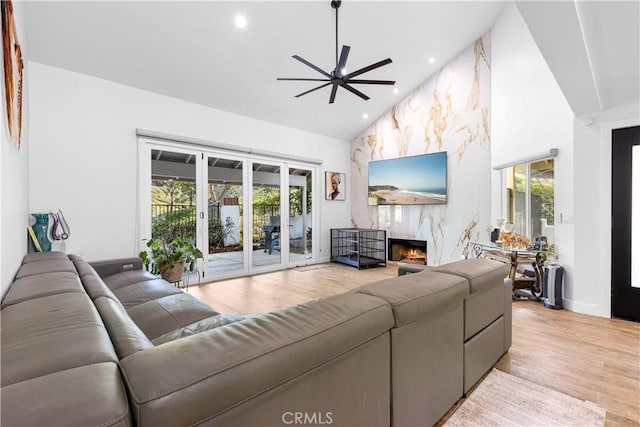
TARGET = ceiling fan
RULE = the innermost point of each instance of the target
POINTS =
(339, 77)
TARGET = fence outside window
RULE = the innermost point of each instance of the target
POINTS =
(179, 220)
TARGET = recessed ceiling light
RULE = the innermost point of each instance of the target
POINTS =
(365, 116)
(240, 21)
(396, 90)
(431, 60)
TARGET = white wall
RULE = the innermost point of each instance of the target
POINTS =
(83, 153)
(529, 116)
(592, 158)
(14, 179)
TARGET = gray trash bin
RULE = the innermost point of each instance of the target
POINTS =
(552, 286)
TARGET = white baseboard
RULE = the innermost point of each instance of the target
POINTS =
(585, 308)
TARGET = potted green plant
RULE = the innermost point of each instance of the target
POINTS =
(170, 259)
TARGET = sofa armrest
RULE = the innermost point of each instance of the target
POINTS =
(196, 378)
(113, 266)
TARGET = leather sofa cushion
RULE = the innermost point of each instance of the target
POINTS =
(45, 266)
(160, 316)
(50, 334)
(41, 256)
(200, 326)
(91, 395)
(127, 278)
(481, 273)
(127, 338)
(189, 380)
(414, 296)
(139, 293)
(42, 285)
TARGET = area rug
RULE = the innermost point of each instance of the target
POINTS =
(504, 400)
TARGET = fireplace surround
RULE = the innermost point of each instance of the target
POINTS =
(407, 250)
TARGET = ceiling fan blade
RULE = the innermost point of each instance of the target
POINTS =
(309, 64)
(343, 58)
(312, 90)
(369, 68)
(334, 89)
(372, 82)
(354, 91)
(302, 80)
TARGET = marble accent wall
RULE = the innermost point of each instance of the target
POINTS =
(448, 112)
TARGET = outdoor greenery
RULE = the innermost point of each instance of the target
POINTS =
(266, 196)
(542, 186)
(177, 219)
(170, 192)
(179, 222)
(218, 232)
(174, 211)
(544, 189)
(295, 201)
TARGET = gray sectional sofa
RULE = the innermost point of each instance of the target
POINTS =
(109, 344)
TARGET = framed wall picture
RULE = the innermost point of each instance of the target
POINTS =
(335, 185)
(12, 61)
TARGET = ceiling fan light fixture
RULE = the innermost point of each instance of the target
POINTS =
(339, 76)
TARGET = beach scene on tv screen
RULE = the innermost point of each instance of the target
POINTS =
(413, 180)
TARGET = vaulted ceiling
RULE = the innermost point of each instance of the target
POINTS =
(193, 51)
(591, 47)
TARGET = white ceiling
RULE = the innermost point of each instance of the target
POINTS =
(591, 47)
(193, 51)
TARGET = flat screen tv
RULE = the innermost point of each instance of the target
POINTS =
(412, 180)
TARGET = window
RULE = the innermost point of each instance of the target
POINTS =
(531, 199)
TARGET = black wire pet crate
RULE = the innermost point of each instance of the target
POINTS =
(359, 247)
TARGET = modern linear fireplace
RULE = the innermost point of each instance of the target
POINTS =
(407, 250)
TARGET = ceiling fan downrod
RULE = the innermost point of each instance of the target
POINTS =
(336, 4)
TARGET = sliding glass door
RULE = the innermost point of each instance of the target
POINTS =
(282, 200)
(300, 214)
(173, 194)
(223, 216)
(266, 211)
(245, 213)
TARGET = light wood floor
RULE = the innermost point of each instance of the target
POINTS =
(587, 357)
